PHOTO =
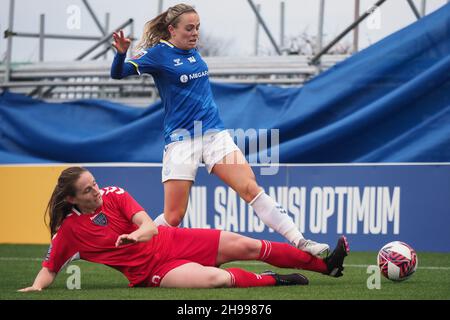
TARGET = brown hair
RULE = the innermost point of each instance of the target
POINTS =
(157, 28)
(58, 208)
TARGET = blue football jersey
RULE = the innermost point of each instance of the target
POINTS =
(181, 77)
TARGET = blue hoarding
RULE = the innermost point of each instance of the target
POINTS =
(371, 204)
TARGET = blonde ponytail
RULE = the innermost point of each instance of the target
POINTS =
(157, 28)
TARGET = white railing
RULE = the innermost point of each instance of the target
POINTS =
(91, 79)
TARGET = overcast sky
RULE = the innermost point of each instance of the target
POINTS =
(231, 20)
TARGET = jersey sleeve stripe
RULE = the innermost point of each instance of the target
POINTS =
(75, 257)
(135, 65)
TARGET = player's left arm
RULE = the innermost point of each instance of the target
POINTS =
(147, 229)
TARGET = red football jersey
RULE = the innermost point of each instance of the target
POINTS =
(92, 237)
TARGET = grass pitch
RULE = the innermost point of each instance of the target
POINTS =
(19, 265)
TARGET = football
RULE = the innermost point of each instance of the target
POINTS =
(397, 261)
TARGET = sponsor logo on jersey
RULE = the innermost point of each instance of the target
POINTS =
(139, 55)
(198, 75)
(192, 59)
(184, 78)
(177, 62)
(100, 219)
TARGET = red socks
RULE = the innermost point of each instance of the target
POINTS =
(284, 255)
(280, 255)
(244, 279)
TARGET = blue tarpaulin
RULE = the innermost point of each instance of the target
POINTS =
(388, 103)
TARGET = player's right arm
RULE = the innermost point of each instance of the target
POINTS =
(119, 69)
(143, 62)
(62, 250)
(44, 278)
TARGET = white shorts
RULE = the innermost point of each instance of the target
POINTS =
(182, 158)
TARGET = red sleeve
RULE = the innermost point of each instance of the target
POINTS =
(60, 252)
(129, 206)
(126, 204)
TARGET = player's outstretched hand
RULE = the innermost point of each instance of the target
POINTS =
(120, 42)
(29, 289)
(125, 239)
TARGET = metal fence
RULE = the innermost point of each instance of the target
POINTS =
(91, 79)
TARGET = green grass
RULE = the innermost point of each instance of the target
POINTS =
(19, 265)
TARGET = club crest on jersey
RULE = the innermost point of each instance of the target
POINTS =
(192, 59)
(177, 62)
(100, 219)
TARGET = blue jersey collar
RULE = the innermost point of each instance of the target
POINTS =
(171, 45)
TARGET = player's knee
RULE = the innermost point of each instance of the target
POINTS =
(174, 217)
(251, 190)
(249, 248)
(219, 280)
